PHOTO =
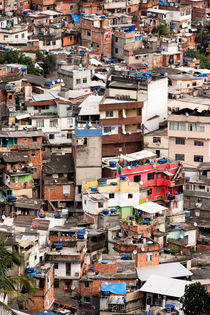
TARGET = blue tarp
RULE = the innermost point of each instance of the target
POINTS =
(119, 288)
(76, 18)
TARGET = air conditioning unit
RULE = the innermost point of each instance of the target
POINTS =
(76, 274)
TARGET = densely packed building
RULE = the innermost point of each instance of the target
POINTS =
(105, 152)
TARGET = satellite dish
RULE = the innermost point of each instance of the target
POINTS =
(141, 183)
(85, 237)
(182, 236)
(3, 217)
(135, 252)
(195, 224)
(72, 287)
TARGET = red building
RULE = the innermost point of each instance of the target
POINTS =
(157, 178)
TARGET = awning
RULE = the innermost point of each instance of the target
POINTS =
(151, 207)
(168, 173)
(24, 116)
(117, 300)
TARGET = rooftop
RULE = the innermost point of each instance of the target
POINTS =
(171, 270)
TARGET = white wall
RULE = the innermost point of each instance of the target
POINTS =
(61, 271)
(156, 104)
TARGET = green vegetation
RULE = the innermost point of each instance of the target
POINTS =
(175, 250)
(204, 60)
(162, 30)
(14, 286)
(196, 301)
(48, 63)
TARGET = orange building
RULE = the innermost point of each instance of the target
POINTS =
(96, 34)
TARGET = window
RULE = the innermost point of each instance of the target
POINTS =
(84, 80)
(156, 140)
(53, 42)
(130, 196)
(87, 284)
(116, 50)
(179, 157)
(88, 33)
(198, 158)
(33, 153)
(16, 36)
(194, 84)
(100, 204)
(56, 284)
(137, 178)
(53, 122)
(196, 127)
(69, 136)
(34, 139)
(180, 141)
(199, 143)
(116, 39)
(109, 113)
(87, 299)
(51, 136)
(148, 257)
(111, 196)
(23, 35)
(107, 129)
(175, 125)
(78, 81)
(150, 176)
(55, 265)
(10, 96)
(68, 269)
(149, 192)
(40, 123)
(197, 213)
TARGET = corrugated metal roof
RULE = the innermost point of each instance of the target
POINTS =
(171, 270)
(165, 286)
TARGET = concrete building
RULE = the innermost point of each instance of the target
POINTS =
(196, 190)
(96, 34)
(87, 154)
(74, 77)
(188, 130)
(157, 142)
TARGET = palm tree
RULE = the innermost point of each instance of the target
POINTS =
(10, 285)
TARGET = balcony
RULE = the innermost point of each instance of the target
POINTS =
(122, 121)
(120, 138)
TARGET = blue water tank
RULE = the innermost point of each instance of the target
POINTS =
(104, 262)
(187, 179)
(112, 163)
(113, 183)
(113, 210)
(162, 161)
(57, 216)
(11, 198)
(42, 216)
(146, 222)
(124, 256)
(58, 245)
(122, 177)
(105, 211)
(93, 189)
(30, 270)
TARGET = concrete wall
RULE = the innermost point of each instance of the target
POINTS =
(156, 104)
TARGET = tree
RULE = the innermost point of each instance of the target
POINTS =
(12, 286)
(162, 30)
(196, 300)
